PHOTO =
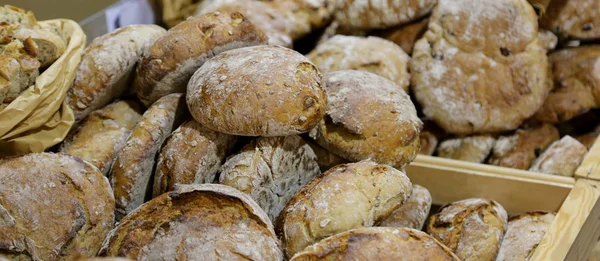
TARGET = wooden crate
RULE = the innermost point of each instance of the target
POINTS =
(576, 227)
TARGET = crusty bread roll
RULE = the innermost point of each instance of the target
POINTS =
(102, 135)
(480, 68)
(561, 158)
(428, 142)
(473, 148)
(370, 54)
(413, 213)
(345, 197)
(170, 62)
(207, 221)
(52, 207)
(380, 14)
(191, 155)
(382, 125)
(325, 159)
(131, 172)
(520, 149)
(334, 29)
(577, 19)
(258, 91)
(406, 36)
(305, 16)
(378, 243)
(106, 66)
(523, 235)
(471, 228)
(271, 170)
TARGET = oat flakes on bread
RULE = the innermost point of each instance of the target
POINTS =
(54, 207)
(413, 213)
(523, 235)
(378, 243)
(520, 149)
(405, 36)
(561, 158)
(325, 159)
(472, 148)
(480, 67)
(199, 221)
(575, 19)
(371, 14)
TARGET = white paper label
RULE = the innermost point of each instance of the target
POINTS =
(127, 13)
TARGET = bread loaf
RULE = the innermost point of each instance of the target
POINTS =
(209, 222)
(405, 36)
(170, 62)
(132, 170)
(382, 126)
(50, 46)
(334, 29)
(471, 228)
(52, 207)
(106, 66)
(345, 197)
(271, 170)
(378, 243)
(380, 14)
(413, 213)
(473, 148)
(11, 78)
(305, 16)
(523, 235)
(428, 142)
(561, 158)
(548, 39)
(258, 91)
(520, 149)
(577, 19)
(325, 159)
(102, 135)
(191, 155)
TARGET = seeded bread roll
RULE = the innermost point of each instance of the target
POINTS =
(52, 207)
(325, 159)
(345, 197)
(106, 66)
(258, 91)
(523, 235)
(413, 213)
(208, 222)
(380, 14)
(382, 126)
(472, 148)
(170, 62)
(370, 54)
(191, 155)
(102, 135)
(406, 36)
(576, 19)
(561, 158)
(271, 170)
(471, 228)
(520, 149)
(378, 243)
(131, 172)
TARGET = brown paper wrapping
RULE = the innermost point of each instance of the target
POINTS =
(175, 11)
(40, 118)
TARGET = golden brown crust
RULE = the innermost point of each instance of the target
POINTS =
(428, 142)
(413, 213)
(547, 39)
(305, 16)
(561, 158)
(520, 149)
(473, 148)
(406, 36)
(523, 235)
(325, 159)
(371, 14)
(578, 19)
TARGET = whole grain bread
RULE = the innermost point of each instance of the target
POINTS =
(523, 235)
(50, 46)
(413, 213)
(519, 150)
(561, 158)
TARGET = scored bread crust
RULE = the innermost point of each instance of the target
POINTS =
(52, 207)
(473, 148)
(413, 213)
(201, 220)
(520, 149)
(373, 14)
(561, 158)
(575, 19)
(523, 235)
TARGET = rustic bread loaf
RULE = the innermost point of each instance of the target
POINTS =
(370, 54)
(325, 159)
(471, 228)
(102, 135)
(380, 14)
(208, 221)
(523, 235)
(472, 148)
(413, 213)
(50, 46)
(407, 35)
(305, 16)
(480, 68)
(106, 66)
(428, 142)
(577, 19)
(345, 197)
(561, 158)
(258, 91)
(547, 39)
(170, 62)
(382, 126)
(334, 29)
(191, 155)
(378, 243)
(52, 207)
(271, 170)
(520, 149)
(132, 170)
(10, 78)
(14, 15)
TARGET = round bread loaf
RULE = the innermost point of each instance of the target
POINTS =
(271, 170)
(370, 14)
(345, 197)
(170, 62)
(377, 243)
(370, 54)
(473, 148)
(471, 228)
(257, 91)
(520, 149)
(53, 207)
(207, 221)
(523, 235)
(413, 213)
(578, 19)
(382, 126)
(480, 67)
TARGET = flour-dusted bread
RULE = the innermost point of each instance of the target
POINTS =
(271, 170)
(170, 62)
(382, 126)
(305, 16)
(334, 29)
(406, 36)
(547, 39)
(191, 155)
(561, 158)
(472, 148)
(258, 91)
(413, 213)
(480, 67)
(471, 228)
(380, 14)
(378, 243)
(102, 135)
(106, 66)
(131, 172)
(325, 159)
(195, 222)
(10, 78)
(52, 207)
(576, 19)
(370, 54)
(50, 46)
(345, 197)
(523, 235)
(521, 148)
